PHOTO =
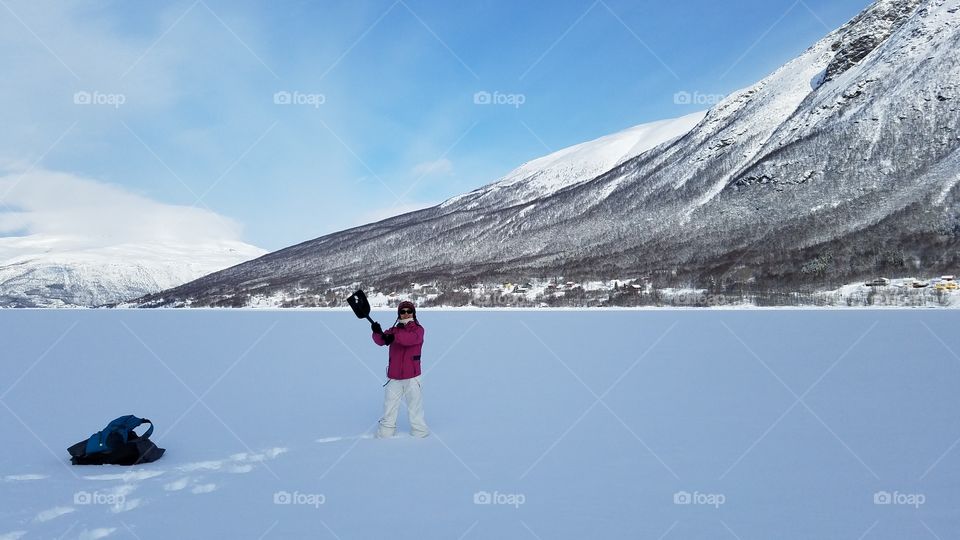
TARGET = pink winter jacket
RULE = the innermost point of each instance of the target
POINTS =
(404, 351)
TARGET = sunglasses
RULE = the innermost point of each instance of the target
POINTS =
(406, 311)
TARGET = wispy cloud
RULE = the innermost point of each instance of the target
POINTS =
(62, 211)
(437, 167)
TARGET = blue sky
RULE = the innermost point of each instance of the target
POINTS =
(184, 95)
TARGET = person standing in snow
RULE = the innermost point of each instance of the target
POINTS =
(405, 340)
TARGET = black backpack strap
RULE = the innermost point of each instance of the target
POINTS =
(149, 431)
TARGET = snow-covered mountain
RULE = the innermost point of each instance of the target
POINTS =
(570, 166)
(841, 164)
(51, 276)
(68, 240)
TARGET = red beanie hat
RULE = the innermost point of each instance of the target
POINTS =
(408, 305)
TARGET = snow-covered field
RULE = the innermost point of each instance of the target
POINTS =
(669, 424)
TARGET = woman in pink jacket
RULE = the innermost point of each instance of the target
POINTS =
(405, 340)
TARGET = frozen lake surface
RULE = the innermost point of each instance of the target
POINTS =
(671, 424)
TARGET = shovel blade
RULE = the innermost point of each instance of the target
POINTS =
(358, 302)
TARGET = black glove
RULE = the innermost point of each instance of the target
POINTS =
(388, 338)
(376, 328)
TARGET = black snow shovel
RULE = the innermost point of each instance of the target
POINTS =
(361, 307)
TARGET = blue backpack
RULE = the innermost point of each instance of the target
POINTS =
(117, 444)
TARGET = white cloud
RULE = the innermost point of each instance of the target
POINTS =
(60, 211)
(57, 48)
(437, 167)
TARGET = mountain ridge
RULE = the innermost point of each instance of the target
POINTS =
(849, 162)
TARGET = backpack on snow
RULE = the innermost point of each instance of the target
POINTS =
(117, 444)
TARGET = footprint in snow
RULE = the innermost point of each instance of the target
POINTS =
(23, 478)
(345, 438)
(177, 485)
(53, 513)
(241, 463)
(96, 534)
(203, 488)
(183, 483)
(237, 463)
(129, 476)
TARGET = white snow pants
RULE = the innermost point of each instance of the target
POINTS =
(408, 390)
